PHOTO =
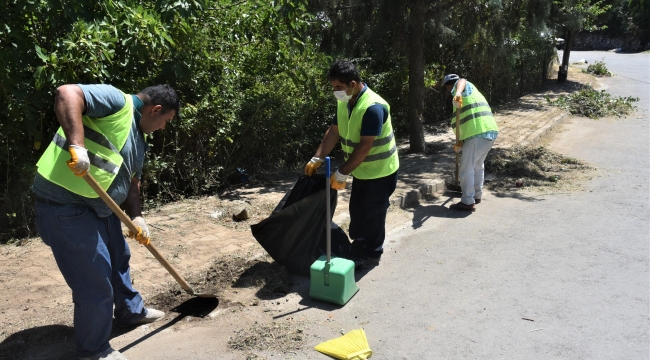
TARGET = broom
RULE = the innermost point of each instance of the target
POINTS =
(351, 346)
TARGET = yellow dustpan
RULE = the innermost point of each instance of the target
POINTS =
(351, 346)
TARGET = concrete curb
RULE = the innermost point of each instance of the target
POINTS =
(413, 197)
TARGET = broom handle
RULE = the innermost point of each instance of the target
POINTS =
(457, 135)
(328, 226)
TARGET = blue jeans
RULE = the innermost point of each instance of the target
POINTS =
(369, 202)
(93, 258)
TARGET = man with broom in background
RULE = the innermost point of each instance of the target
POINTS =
(478, 130)
(363, 125)
(102, 132)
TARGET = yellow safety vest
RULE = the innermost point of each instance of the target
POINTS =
(382, 159)
(103, 138)
(475, 116)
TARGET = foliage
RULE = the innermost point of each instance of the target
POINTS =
(597, 68)
(502, 47)
(626, 19)
(251, 84)
(640, 11)
(576, 15)
(594, 104)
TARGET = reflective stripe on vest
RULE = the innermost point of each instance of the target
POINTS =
(475, 116)
(103, 138)
(382, 160)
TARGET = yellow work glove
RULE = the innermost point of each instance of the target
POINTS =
(458, 146)
(312, 166)
(143, 231)
(338, 181)
(457, 102)
(79, 162)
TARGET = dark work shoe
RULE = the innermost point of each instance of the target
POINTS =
(463, 207)
(477, 201)
(366, 262)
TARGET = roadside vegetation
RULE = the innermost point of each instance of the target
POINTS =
(595, 104)
(598, 68)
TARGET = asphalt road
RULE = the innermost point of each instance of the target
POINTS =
(561, 276)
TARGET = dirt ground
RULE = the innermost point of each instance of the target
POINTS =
(200, 238)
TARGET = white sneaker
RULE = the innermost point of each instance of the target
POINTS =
(151, 316)
(108, 354)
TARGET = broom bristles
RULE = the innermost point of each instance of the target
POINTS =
(351, 346)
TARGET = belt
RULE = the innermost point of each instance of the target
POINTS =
(46, 201)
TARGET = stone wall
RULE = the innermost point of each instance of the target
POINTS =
(597, 41)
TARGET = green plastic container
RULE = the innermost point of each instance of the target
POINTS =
(334, 282)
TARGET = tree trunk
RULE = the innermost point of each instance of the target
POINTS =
(564, 68)
(416, 75)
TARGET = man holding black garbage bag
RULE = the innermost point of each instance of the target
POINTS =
(363, 126)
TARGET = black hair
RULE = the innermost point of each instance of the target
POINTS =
(344, 71)
(162, 95)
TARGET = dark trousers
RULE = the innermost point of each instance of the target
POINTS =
(369, 202)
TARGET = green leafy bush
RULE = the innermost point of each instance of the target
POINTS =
(594, 104)
(251, 85)
(597, 68)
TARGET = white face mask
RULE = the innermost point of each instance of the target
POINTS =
(341, 95)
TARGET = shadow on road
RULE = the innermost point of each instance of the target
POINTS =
(50, 342)
(516, 195)
(195, 307)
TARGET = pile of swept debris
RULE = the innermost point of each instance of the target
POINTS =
(531, 167)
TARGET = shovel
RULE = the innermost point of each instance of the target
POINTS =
(129, 224)
(456, 185)
(331, 279)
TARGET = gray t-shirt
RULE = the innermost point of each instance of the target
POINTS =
(101, 101)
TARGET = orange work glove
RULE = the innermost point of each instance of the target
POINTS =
(457, 102)
(79, 162)
(312, 166)
(458, 146)
(338, 181)
(143, 231)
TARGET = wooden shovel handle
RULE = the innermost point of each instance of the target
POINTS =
(129, 224)
(457, 135)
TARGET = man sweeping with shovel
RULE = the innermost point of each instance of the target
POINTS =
(102, 132)
(363, 126)
(477, 132)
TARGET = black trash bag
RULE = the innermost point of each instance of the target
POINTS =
(294, 235)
